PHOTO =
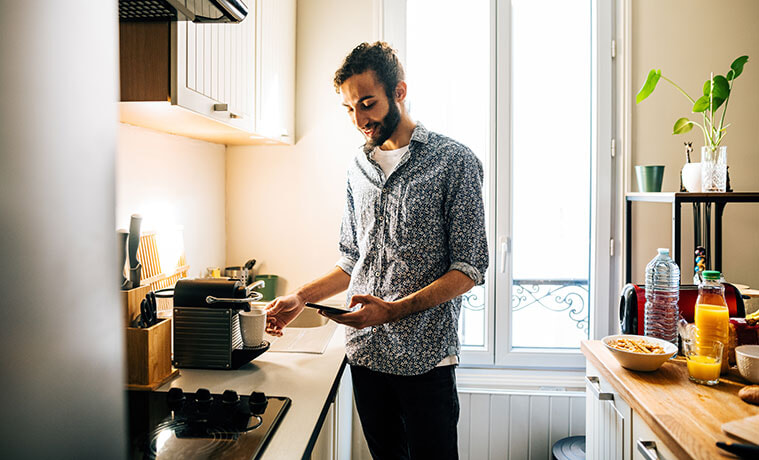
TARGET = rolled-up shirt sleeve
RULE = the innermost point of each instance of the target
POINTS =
(348, 246)
(465, 219)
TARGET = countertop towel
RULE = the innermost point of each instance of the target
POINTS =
(303, 339)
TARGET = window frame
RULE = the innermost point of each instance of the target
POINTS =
(497, 351)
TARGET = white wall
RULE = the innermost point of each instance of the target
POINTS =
(172, 180)
(687, 39)
(285, 203)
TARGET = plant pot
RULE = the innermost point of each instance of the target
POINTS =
(713, 169)
(649, 177)
(269, 291)
(692, 177)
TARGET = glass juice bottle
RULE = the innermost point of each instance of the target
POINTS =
(712, 316)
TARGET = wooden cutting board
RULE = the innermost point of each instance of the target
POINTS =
(746, 429)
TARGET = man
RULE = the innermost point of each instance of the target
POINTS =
(412, 241)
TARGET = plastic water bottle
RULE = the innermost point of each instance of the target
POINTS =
(662, 294)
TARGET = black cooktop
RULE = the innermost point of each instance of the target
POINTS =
(202, 424)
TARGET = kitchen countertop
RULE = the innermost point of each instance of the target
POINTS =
(310, 380)
(686, 417)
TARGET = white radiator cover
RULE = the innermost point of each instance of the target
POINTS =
(519, 425)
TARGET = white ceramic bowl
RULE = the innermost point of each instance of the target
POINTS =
(747, 357)
(635, 361)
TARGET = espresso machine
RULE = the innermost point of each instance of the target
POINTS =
(206, 323)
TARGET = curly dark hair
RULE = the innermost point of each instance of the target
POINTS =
(380, 58)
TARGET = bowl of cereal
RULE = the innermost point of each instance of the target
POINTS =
(639, 353)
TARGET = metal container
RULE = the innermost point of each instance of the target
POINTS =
(242, 273)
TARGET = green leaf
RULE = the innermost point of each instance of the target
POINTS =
(716, 102)
(730, 74)
(683, 125)
(721, 87)
(702, 103)
(649, 86)
(738, 64)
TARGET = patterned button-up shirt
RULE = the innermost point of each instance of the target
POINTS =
(399, 234)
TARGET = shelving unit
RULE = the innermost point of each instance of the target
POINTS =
(707, 200)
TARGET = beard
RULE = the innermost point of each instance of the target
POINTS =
(386, 127)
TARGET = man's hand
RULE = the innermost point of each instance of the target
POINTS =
(373, 311)
(281, 311)
(376, 311)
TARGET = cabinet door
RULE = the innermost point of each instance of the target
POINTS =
(213, 70)
(275, 69)
(647, 445)
(335, 438)
(608, 420)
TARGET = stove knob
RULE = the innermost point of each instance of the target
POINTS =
(230, 398)
(176, 398)
(203, 398)
(257, 402)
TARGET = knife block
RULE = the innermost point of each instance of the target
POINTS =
(149, 355)
(130, 302)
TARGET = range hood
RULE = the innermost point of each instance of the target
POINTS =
(229, 11)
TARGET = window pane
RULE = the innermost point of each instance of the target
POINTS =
(551, 166)
(448, 75)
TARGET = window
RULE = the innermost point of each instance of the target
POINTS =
(524, 85)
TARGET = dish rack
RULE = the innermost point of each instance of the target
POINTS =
(153, 267)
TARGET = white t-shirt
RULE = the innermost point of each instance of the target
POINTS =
(388, 160)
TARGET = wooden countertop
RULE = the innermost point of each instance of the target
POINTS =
(685, 416)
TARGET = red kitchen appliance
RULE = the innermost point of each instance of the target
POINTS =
(632, 305)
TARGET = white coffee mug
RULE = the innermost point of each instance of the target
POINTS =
(252, 326)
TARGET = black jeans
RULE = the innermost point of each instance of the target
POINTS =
(408, 417)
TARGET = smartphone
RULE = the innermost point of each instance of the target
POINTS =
(333, 310)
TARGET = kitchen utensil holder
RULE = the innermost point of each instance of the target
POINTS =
(130, 302)
(149, 355)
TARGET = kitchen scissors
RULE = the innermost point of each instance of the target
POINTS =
(148, 310)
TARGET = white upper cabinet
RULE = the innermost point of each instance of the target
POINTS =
(225, 83)
(214, 74)
(275, 69)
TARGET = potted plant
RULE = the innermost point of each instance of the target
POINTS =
(716, 95)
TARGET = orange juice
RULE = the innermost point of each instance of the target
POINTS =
(703, 368)
(712, 322)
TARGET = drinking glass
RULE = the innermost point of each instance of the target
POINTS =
(704, 361)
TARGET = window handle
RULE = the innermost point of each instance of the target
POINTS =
(505, 250)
